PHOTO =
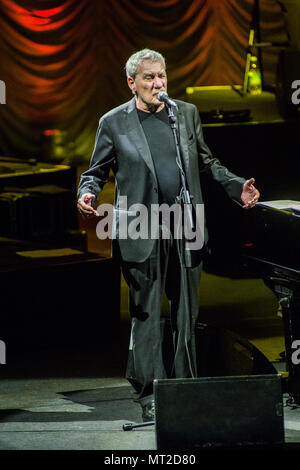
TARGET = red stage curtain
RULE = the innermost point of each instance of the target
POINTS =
(63, 61)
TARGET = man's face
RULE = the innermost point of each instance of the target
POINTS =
(151, 78)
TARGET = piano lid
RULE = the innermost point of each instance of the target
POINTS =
(282, 204)
(16, 167)
(269, 232)
(273, 233)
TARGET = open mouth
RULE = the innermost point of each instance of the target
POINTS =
(155, 94)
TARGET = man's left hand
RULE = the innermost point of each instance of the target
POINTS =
(250, 194)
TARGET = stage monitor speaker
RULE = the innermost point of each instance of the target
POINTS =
(213, 412)
(288, 72)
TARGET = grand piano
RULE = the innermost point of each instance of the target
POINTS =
(263, 243)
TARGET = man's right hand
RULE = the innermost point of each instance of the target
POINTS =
(84, 206)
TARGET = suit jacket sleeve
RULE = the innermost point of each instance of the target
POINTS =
(231, 183)
(102, 160)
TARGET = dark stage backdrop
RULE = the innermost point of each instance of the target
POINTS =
(63, 61)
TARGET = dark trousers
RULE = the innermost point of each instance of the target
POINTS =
(149, 358)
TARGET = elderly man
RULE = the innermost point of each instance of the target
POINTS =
(136, 140)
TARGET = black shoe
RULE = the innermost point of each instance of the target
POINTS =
(148, 411)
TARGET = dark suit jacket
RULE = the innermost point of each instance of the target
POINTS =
(122, 146)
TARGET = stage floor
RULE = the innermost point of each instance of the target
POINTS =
(79, 400)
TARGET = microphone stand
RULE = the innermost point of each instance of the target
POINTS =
(130, 426)
(185, 196)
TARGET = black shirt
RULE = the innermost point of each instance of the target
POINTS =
(160, 139)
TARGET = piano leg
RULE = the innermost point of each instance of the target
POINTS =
(288, 294)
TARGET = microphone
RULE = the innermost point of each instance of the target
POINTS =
(163, 96)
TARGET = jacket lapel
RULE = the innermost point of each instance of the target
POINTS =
(136, 134)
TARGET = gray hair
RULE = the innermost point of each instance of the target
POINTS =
(137, 58)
